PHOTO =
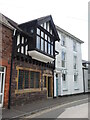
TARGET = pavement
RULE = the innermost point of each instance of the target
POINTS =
(34, 107)
(79, 111)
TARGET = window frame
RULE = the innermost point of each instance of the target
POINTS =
(63, 60)
(64, 77)
(63, 39)
(45, 40)
(74, 62)
(74, 46)
(25, 90)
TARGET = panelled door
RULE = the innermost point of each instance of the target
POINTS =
(2, 83)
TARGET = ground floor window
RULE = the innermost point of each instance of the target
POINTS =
(2, 84)
(28, 79)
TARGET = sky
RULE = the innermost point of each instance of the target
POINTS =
(70, 15)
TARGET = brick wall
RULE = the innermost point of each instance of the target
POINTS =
(23, 98)
(5, 57)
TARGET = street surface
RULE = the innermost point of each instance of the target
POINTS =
(75, 109)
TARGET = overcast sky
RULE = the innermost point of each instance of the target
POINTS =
(71, 15)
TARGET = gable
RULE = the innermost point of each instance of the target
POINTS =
(48, 24)
(45, 22)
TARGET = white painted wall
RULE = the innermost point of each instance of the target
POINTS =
(70, 83)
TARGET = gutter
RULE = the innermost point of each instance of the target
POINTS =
(11, 69)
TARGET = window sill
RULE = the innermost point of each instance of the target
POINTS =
(63, 45)
(74, 50)
(44, 88)
(27, 90)
(65, 89)
(76, 88)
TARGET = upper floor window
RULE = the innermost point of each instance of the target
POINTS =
(63, 77)
(75, 78)
(38, 31)
(44, 42)
(74, 46)
(75, 62)
(62, 40)
(63, 58)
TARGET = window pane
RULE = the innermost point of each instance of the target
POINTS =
(44, 25)
(42, 46)
(37, 79)
(63, 40)
(74, 45)
(26, 79)
(51, 49)
(45, 46)
(47, 26)
(51, 31)
(63, 63)
(48, 48)
(42, 34)
(38, 31)
(20, 79)
(63, 55)
(2, 69)
(63, 77)
(75, 60)
(45, 37)
(48, 39)
(26, 49)
(38, 42)
(75, 77)
(18, 39)
(44, 81)
(31, 79)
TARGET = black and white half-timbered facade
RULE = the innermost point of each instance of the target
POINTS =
(33, 57)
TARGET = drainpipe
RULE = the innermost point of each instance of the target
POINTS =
(12, 55)
(83, 81)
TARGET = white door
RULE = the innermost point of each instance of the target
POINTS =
(2, 83)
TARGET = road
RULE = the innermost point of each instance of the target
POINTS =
(75, 109)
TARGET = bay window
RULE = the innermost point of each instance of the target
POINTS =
(44, 42)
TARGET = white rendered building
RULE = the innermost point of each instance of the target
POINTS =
(68, 78)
